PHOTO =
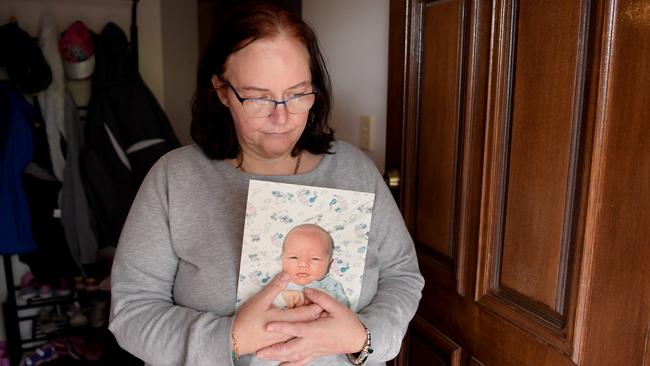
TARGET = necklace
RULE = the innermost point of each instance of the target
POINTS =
(240, 161)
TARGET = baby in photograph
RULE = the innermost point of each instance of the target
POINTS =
(307, 253)
(306, 256)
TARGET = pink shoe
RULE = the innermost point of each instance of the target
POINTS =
(45, 291)
(28, 288)
(62, 287)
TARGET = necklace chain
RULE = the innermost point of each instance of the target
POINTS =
(240, 161)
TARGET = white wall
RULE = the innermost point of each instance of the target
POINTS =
(353, 36)
(180, 35)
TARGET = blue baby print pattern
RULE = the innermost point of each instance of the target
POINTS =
(307, 197)
(282, 216)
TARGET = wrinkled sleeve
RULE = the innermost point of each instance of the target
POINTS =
(399, 282)
(144, 318)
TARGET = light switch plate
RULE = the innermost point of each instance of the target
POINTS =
(366, 123)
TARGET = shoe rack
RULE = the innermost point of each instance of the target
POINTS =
(15, 313)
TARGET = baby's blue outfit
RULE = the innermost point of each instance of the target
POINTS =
(333, 287)
(328, 284)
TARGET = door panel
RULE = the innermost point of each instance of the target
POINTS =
(519, 121)
(438, 137)
(618, 232)
(439, 84)
(431, 347)
(535, 113)
(475, 362)
(537, 148)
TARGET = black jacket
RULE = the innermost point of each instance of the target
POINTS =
(126, 133)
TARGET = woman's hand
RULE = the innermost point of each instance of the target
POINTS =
(336, 331)
(252, 318)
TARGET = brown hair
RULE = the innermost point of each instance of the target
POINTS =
(212, 124)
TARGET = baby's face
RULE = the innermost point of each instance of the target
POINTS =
(306, 257)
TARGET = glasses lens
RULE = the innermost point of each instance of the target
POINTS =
(258, 107)
(301, 103)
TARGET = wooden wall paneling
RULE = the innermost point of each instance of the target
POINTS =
(646, 347)
(438, 130)
(429, 346)
(472, 123)
(470, 183)
(619, 300)
(566, 92)
(438, 138)
(474, 362)
(592, 63)
(538, 153)
(542, 145)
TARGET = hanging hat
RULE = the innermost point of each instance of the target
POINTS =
(77, 51)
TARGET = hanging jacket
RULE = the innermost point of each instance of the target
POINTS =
(62, 124)
(16, 151)
(51, 99)
(126, 132)
(76, 216)
(52, 257)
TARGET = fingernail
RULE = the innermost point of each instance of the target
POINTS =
(270, 328)
(284, 276)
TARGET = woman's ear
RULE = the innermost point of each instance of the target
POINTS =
(219, 87)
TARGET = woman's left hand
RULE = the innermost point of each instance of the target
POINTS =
(337, 331)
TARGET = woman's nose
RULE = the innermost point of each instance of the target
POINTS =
(279, 114)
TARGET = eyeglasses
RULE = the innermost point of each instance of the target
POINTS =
(264, 107)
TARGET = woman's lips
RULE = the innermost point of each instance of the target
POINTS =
(277, 132)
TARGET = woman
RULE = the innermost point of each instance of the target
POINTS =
(260, 111)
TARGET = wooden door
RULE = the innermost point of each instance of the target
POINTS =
(523, 142)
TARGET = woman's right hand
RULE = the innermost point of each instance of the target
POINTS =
(249, 326)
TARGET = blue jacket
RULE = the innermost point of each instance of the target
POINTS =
(16, 150)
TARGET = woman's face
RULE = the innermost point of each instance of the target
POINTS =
(274, 68)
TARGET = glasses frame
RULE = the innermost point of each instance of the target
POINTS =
(276, 102)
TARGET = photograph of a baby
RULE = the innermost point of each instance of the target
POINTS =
(318, 235)
(307, 254)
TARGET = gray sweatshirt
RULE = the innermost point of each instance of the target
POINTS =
(174, 277)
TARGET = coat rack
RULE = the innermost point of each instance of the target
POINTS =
(10, 307)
